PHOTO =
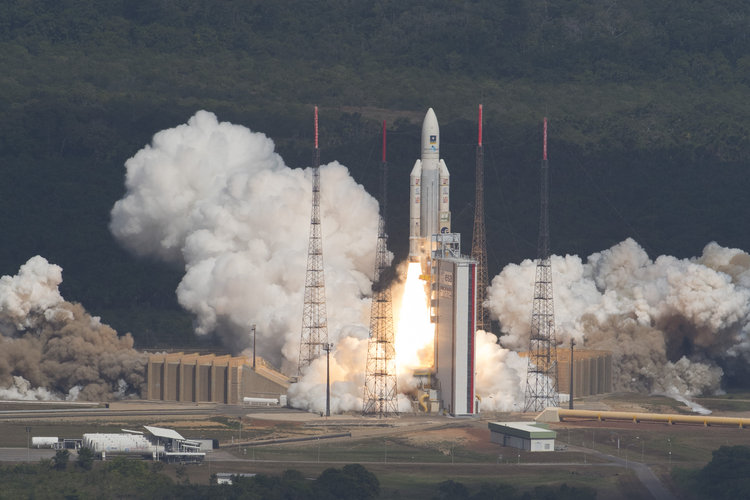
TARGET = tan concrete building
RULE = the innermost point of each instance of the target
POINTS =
(211, 378)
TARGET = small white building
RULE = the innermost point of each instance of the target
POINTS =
(226, 477)
(528, 436)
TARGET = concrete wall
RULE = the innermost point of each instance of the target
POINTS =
(592, 372)
(210, 378)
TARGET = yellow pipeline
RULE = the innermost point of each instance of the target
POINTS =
(635, 417)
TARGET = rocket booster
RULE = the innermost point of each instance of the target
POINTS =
(429, 193)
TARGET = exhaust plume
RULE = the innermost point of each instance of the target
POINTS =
(671, 324)
(215, 198)
(53, 349)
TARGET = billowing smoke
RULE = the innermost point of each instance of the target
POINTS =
(671, 323)
(215, 198)
(53, 349)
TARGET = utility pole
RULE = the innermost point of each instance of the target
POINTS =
(253, 328)
(572, 343)
(327, 348)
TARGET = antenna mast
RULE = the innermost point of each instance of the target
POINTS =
(380, 374)
(314, 321)
(479, 241)
(541, 375)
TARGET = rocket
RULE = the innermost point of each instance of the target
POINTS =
(429, 194)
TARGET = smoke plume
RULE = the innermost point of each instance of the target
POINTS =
(215, 198)
(671, 324)
(53, 349)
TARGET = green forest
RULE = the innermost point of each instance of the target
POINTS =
(647, 103)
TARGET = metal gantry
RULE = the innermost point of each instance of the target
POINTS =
(380, 373)
(314, 320)
(541, 375)
(479, 239)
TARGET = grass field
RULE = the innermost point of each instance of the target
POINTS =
(412, 455)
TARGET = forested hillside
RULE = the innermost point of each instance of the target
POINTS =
(647, 104)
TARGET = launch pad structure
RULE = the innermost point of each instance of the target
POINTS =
(541, 375)
(314, 333)
(380, 373)
(451, 281)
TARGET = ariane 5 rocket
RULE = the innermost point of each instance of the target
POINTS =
(429, 194)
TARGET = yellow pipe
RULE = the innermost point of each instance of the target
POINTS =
(652, 417)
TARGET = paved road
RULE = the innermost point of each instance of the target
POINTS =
(24, 454)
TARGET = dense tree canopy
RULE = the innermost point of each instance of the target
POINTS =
(648, 104)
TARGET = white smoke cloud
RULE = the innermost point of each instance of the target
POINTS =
(500, 376)
(53, 349)
(669, 322)
(216, 198)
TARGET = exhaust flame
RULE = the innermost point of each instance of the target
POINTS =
(415, 334)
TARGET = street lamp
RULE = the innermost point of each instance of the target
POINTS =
(327, 348)
(669, 442)
(643, 442)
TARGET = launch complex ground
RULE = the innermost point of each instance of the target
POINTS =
(408, 453)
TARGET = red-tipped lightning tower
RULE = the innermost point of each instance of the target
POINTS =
(380, 372)
(479, 240)
(314, 320)
(541, 375)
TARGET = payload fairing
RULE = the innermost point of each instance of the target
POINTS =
(429, 194)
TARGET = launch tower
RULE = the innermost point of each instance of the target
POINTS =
(479, 241)
(380, 373)
(541, 375)
(314, 321)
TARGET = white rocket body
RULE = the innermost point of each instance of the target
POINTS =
(429, 194)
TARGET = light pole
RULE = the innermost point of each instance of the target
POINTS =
(253, 328)
(642, 446)
(28, 443)
(669, 442)
(327, 348)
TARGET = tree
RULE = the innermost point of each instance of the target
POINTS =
(727, 475)
(351, 482)
(85, 458)
(60, 461)
(452, 489)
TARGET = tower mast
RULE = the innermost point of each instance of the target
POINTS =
(541, 375)
(314, 321)
(479, 241)
(380, 373)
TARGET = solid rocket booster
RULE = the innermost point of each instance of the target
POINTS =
(429, 193)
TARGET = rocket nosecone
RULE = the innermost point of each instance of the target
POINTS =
(429, 193)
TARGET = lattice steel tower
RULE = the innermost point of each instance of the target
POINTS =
(541, 376)
(314, 321)
(479, 241)
(380, 373)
